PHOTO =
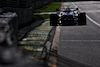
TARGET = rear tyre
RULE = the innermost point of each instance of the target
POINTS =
(53, 19)
(82, 19)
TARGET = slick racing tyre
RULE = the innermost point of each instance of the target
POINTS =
(82, 19)
(53, 19)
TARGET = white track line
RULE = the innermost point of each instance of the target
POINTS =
(82, 40)
(88, 16)
(93, 21)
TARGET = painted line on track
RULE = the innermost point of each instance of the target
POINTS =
(93, 21)
(96, 23)
(82, 40)
(55, 45)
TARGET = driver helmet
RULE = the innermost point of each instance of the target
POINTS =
(68, 9)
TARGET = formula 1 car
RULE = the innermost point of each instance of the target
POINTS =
(68, 17)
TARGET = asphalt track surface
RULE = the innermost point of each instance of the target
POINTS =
(80, 45)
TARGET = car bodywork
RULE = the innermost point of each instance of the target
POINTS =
(71, 17)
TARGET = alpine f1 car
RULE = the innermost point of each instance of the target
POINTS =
(68, 17)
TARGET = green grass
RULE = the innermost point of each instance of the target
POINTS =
(51, 7)
(40, 17)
